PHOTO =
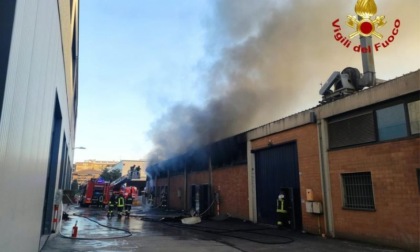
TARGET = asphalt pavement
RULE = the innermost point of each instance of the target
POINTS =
(156, 229)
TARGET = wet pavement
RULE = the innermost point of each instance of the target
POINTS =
(162, 230)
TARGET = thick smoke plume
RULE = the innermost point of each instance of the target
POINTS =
(270, 58)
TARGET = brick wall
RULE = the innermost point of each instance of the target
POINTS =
(393, 170)
(196, 178)
(159, 183)
(232, 185)
(306, 138)
(231, 182)
(162, 182)
(176, 184)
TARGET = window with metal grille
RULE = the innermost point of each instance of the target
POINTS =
(358, 191)
(352, 130)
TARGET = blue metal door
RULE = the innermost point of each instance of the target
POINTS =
(277, 169)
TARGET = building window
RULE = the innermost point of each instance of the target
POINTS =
(358, 191)
(414, 115)
(383, 124)
(391, 122)
(353, 130)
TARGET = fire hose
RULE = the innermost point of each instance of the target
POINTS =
(99, 238)
(230, 232)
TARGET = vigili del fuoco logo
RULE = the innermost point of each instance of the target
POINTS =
(366, 25)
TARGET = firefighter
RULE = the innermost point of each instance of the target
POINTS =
(163, 199)
(283, 219)
(128, 203)
(120, 205)
(111, 205)
(101, 201)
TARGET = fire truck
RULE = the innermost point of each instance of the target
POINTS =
(126, 190)
(95, 192)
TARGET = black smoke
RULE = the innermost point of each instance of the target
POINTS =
(269, 59)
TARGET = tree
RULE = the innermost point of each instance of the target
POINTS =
(115, 174)
(110, 176)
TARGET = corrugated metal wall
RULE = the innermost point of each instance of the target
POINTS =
(276, 168)
(7, 15)
(35, 76)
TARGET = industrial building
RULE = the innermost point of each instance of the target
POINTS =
(124, 167)
(350, 167)
(38, 111)
(86, 170)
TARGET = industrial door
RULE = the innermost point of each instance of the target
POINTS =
(277, 169)
(200, 197)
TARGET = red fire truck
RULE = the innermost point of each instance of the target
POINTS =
(95, 192)
(126, 190)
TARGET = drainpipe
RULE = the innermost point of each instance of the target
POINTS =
(325, 177)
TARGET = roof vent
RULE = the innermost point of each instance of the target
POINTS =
(341, 84)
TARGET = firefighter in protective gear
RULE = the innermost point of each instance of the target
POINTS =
(111, 205)
(128, 203)
(163, 199)
(120, 205)
(283, 219)
(101, 201)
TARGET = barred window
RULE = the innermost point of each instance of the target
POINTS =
(358, 191)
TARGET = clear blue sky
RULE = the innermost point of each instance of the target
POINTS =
(149, 68)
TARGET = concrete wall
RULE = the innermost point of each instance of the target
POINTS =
(35, 77)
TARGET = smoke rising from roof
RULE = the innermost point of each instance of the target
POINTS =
(269, 59)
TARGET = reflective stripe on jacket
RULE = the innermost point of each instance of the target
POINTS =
(120, 202)
(280, 206)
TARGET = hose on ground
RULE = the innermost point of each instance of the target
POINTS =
(207, 208)
(230, 232)
(99, 238)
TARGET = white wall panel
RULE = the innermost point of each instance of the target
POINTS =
(35, 73)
